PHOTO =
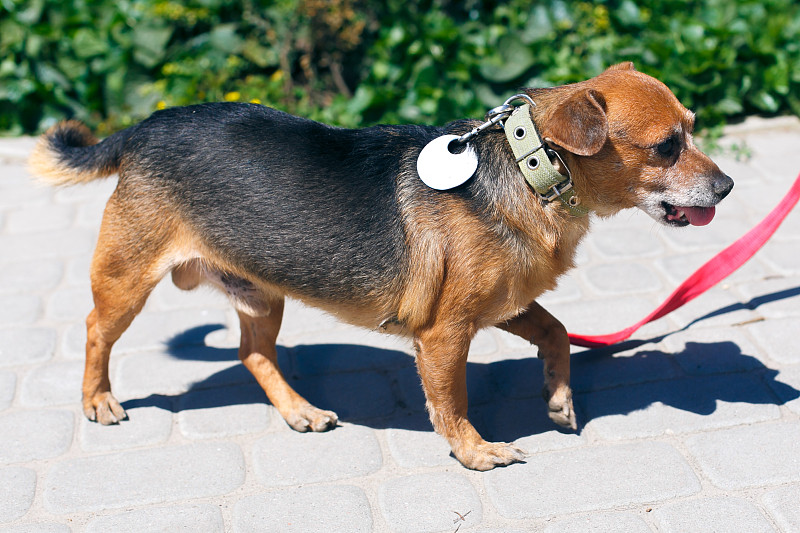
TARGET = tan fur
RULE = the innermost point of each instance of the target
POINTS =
(45, 165)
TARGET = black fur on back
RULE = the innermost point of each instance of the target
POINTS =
(298, 203)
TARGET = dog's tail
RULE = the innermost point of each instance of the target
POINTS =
(69, 154)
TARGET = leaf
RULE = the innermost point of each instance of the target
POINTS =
(629, 13)
(150, 43)
(764, 101)
(225, 39)
(538, 27)
(86, 43)
(513, 60)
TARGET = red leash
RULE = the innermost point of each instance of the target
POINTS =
(715, 270)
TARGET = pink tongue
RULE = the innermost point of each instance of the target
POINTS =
(699, 216)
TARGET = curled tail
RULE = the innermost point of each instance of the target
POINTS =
(69, 154)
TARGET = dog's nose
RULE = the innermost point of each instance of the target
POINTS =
(722, 185)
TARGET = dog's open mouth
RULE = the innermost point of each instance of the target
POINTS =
(683, 216)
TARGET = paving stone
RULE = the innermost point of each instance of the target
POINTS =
(483, 344)
(73, 343)
(142, 374)
(620, 278)
(150, 331)
(56, 383)
(678, 267)
(414, 443)
(412, 398)
(593, 317)
(41, 218)
(782, 258)
(17, 488)
(224, 412)
(14, 156)
(778, 337)
(41, 527)
(602, 369)
(48, 245)
(627, 243)
(300, 320)
(145, 426)
(291, 458)
(774, 297)
(90, 213)
(524, 422)
(781, 503)
(143, 477)
(786, 384)
(23, 346)
(429, 502)
(76, 271)
(20, 309)
(31, 435)
(70, 304)
(713, 237)
(353, 396)
(589, 479)
(753, 461)
(24, 195)
(87, 192)
(8, 385)
(716, 308)
(619, 522)
(712, 515)
(678, 406)
(329, 358)
(705, 351)
(191, 517)
(569, 289)
(304, 510)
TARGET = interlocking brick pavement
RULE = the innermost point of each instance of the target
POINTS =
(692, 426)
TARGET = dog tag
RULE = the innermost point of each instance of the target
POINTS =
(441, 169)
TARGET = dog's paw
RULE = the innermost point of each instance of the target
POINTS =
(104, 408)
(488, 455)
(560, 409)
(309, 418)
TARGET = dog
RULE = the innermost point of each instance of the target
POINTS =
(263, 205)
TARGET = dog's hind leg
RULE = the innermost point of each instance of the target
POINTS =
(125, 269)
(257, 352)
(539, 327)
(442, 364)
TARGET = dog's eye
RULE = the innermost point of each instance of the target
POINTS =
(666, 148)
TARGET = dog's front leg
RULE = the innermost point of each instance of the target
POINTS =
(539, 327)
(442, 365)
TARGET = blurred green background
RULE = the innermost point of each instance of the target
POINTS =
(360, 62)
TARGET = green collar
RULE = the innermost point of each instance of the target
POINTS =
(531, 155)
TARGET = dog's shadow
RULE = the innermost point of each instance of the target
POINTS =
(380, 388)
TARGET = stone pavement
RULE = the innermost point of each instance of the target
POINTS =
(694, 427)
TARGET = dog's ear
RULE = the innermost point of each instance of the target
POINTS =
(578, 124)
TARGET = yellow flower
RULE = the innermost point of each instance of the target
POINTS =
(232, 96)
(161, 105)
(255, 101)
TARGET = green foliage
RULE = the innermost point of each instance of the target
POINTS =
(360, 62)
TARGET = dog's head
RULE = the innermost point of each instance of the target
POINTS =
(628, 142)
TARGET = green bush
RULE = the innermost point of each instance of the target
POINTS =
(358, 62)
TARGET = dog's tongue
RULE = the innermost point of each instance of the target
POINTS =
(699, 216)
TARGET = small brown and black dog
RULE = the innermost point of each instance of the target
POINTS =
(264, 205)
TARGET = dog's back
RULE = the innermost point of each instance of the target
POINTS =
(297, 203)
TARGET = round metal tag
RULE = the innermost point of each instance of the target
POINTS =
(441, 169)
